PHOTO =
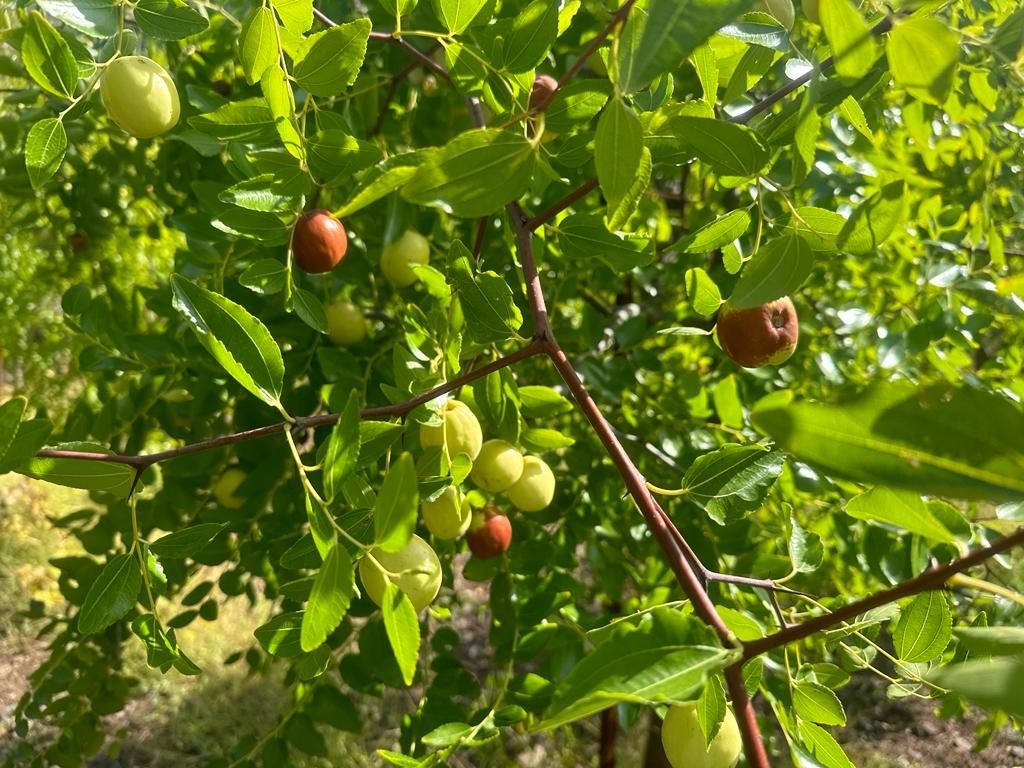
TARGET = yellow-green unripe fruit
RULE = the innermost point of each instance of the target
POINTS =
(225, 487)
(448, 516)
(461, 431)
(414, 569)
(345, 323)
(498, 466)
(535, 488)
(684, 741)
(410, 248)
(780, 10)
(140, 96)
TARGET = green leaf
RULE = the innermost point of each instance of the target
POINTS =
(87, 474)
(659, 38)
(383, 179)
(296, 15)
(459, 177)
(335, 157)
(994, 684)
(726, 147)
(805, 548)
(649, 664)
(168, 19)
(331, 706)
(301, 733)
(924, 628)
(939, 439)
(822, 744)
(543, 402)
(246, 120)
(702, 291)
(96, 18)
(778, 269)
(266, 277)
(329, 600)
(818, 704)
(44, 150)
(403, 629)
(457, 15)
(853, 46)
(343, 447)
(281, 636)
(618, 149)
(991, 641)
(491, 312)
(711, 709)
(47, 57)
(309, 309)
(258, 46)
(923, 53)
(333, 58)
(11, 414)
(29, 437)
(185, 542)
(584, 236)
(903, 509)
(112, 595)
(540, 440)
(819, 227)
(733, 480)
(375, 438)
(394, 517)
(237, 340)
(448, 734)
(576, 105)
(715, 234)
(533, 33)
(874, 220)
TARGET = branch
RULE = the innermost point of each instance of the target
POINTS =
(143, 461)
(876, 31)
(396, 80)
(544, 217)
(930, 579)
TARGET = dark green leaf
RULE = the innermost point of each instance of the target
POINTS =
(112, 595)
(732, 481)
(168, 19)
(185, 542)
(491, 312)
(618, 149)
(333, 58)
(924, 629)
(584, 236)
(403, 629)
(281, 635)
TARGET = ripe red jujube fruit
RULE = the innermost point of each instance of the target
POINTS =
(319, 241)
(761, 335)
(490, 533)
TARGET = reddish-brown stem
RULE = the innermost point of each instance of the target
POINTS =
(534, 294)
(776, 96)
(481, 234)
(305, 422)
(746, 718)
(930, 579)
(609, 737)
(547, 215)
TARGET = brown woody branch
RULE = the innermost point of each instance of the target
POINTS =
(547, 215)
(931, 579)
(876, 31)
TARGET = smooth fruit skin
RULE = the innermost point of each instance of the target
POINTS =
(345, 323)
(461, 431)
(448, 516)
(319, 241)
(498, 466)
(535, 488)
(684, 742)
(226, 485)
(762, 335)
(543, 87)
(812, 10)
(410, 248)
(140, 96)
(490, 534)
(780, 10)
(414, 569)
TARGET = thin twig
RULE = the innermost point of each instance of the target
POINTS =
(545, 216)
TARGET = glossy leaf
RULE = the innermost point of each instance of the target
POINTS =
(486, 299)
(778, 269)
(941, 440)
(237, 340)
(328, 603)
(818, 704)
(903, 509)
(618, 149)
(703, 293)
(112, 595)
(343, 447)
(726, 147)
(168, 19)
(533, 33)
(403, 629)
(725, 229)
(457, 15)
(258, 46)
(459, 177)
(924, 628)
(96, 18)
(394, 517)
(333, 58)
(185, 542)
(47, 57)
(44, 150)
(584, 236)
(281, 636)
(111, 477)
(733, 480)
